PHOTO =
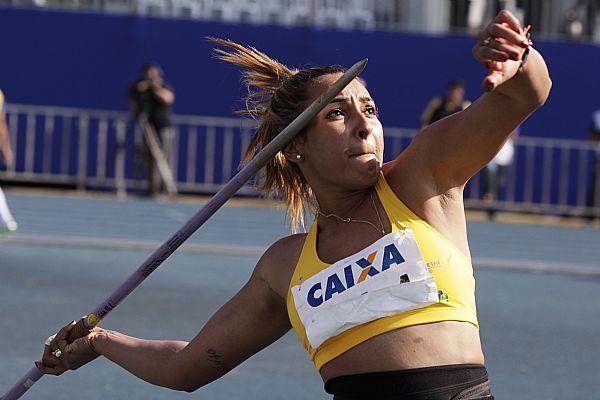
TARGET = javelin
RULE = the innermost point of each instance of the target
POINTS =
(87, 322)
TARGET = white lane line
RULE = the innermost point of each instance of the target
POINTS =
(132, 244)
(257, 251)
(537, 266)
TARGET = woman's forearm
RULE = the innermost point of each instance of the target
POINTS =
(155, 361)
(531, 85)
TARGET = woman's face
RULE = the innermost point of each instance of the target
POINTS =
(343, 145)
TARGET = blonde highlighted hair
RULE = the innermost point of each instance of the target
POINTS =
(276, 95)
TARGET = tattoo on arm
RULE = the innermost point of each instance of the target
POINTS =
(217, 361)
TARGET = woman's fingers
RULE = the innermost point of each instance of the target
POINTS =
(501, 40)
(63, 334)
(493, 66)
(504, 32)
(511, 51)
(486, 53)
(505, 16)
(492, 80)
(48, 358)
(497, 50)
(495, 76)
(50, 363)
(60, 355)
(51, 370)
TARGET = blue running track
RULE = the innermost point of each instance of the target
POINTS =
(538, 292)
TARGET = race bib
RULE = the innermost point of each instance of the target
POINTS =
(386, 278)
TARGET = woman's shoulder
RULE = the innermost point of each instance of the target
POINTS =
(278, 262)
(286, 248)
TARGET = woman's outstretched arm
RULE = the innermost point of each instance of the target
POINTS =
(456, 147)
(254, 318)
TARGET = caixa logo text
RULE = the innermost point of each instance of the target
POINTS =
(343, 280)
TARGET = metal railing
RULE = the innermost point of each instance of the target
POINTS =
(99, 149)
(550, 176)
(95, 149)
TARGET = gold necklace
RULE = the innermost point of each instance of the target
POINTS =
(348, 220)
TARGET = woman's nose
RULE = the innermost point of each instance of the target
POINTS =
(362, 128)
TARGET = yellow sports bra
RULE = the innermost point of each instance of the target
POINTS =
(411, 276)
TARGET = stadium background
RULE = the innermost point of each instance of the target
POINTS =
(405, 69)
(537, 284)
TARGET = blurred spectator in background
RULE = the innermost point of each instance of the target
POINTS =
(7, 222)
(594, 135)
(152, 98)
(573, 26)
(451, 102)
(493, 178)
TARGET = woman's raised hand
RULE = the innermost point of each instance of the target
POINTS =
(60, 356)
(500, 49)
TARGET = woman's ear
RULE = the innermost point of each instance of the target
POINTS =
(293, 151)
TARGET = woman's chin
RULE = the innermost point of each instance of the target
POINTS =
(370, 170)
(358, 174)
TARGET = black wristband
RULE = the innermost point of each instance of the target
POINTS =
(526, 53)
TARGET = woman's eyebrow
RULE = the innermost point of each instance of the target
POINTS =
(339, 100)
(364, 99)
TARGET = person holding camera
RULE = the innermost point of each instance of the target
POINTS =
(151, 99)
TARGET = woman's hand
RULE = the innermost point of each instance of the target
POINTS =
(500, 48)
(60, 356)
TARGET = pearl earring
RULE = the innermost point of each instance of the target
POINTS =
(298, 156)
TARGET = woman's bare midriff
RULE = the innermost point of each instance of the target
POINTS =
(440, 343)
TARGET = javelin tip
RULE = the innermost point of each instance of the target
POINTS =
(360, 65)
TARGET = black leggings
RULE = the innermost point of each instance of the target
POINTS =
(447, 382)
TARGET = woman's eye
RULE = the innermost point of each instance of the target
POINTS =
(335, 113)
(371, 110)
